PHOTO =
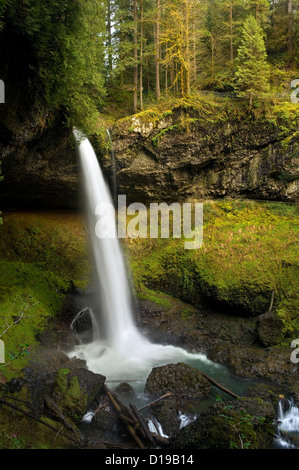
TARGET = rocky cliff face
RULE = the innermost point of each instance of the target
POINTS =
(182, 156)
(177, 157)
(39, 162)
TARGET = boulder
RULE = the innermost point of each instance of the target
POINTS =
(75, 390)
(184, 381)
(82, 325)
(125, 390)
(239, 424)
(269, 329)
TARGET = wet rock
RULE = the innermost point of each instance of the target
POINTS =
(166, 412)
(15, 385)
(75, 390)
(269, 329)
(107, 422)
(239, 424)
(125, 390)
(184, 381)
(82, 325)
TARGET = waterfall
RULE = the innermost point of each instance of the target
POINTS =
(288, 423)
(119, 350)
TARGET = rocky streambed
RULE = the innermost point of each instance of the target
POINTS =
(67, 397)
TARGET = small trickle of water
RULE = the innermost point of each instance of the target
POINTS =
(288, 424)
(185, 419)
(155, 427)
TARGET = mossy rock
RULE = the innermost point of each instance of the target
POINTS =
(242, 424)
(75, 390)
(184, 381)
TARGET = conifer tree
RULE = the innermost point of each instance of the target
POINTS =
(252, 75)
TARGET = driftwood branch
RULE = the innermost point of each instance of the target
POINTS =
(55, 410)
(216, 384)
(169, 394)
(101, 407)
(271, 301)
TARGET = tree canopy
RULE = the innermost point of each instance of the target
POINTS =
(80, 54)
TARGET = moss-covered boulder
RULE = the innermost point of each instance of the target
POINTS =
(75, 390)
(184, 381)
(242, 424)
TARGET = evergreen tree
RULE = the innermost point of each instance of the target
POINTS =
(252, 75)
(62, 43)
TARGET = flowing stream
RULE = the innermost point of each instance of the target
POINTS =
(118, 350)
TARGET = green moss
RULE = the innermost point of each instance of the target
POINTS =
(249, 250)
(157, 138)
(68, 393)
(42, 257)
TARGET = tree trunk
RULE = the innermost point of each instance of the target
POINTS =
(135, 60)
(194, 55)
(290, 27)
(109, 39)
(141, 56)
(158, 92)
(187, 24)
(231, 35)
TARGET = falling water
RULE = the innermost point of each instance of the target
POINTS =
(119, 351)
(288, 423)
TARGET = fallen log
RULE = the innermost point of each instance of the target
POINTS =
(221, 387)
(101, 407)
(143, 425)
(161, 440)
(118, 407)
(55, 410)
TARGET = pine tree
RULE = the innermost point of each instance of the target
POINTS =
(252, 75)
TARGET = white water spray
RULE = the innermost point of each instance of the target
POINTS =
(119, 351)
(288, 423)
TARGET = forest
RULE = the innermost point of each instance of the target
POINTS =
(84, 55)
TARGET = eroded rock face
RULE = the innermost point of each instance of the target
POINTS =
(155, 161)
(164, 161)
(39, 161)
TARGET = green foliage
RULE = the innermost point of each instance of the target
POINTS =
(253, 71)
(64, 49)
(243, 425)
